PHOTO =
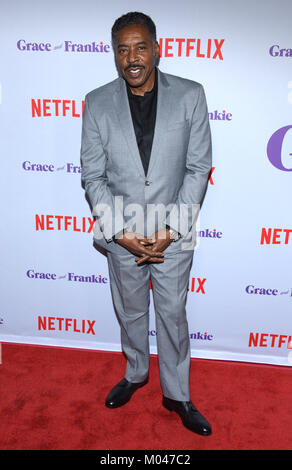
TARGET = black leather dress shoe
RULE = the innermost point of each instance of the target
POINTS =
(190, 416)
(122, 392)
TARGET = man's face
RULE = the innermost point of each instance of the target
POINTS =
(136, 57)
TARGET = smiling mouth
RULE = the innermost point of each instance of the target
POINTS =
(134, 72)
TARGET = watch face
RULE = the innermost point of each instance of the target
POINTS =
(173, 234)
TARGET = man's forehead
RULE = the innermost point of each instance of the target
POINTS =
(136, 32)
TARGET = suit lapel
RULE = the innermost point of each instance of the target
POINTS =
(122, 106)
(162, 115)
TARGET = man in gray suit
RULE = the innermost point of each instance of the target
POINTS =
(146, 150)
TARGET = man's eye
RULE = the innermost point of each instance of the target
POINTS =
(122, 51)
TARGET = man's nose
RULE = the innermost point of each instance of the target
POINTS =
(132, 55)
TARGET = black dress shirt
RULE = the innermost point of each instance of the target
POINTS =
(143, 111)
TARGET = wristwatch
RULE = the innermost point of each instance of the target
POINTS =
(174, 235)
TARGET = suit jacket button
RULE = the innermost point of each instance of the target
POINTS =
(147, 183)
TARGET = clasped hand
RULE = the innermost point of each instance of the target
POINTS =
(146, 249)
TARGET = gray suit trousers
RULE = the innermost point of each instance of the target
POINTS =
(130, 288)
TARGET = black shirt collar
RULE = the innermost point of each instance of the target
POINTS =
(153, 91)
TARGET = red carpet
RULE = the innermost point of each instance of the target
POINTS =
(53, 398)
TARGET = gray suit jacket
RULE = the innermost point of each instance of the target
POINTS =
(179, 167)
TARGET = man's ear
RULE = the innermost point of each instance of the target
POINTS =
(157, 50)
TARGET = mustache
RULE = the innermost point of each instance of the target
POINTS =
(136, 66)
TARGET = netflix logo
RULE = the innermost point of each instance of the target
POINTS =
(210, 179)
(275, 236)
(265, 340)
(56, 107)
(191, 47)
(64, 222)
(196, 285)
(72, 325)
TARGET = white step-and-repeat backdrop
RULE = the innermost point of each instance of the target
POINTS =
(54, 284)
